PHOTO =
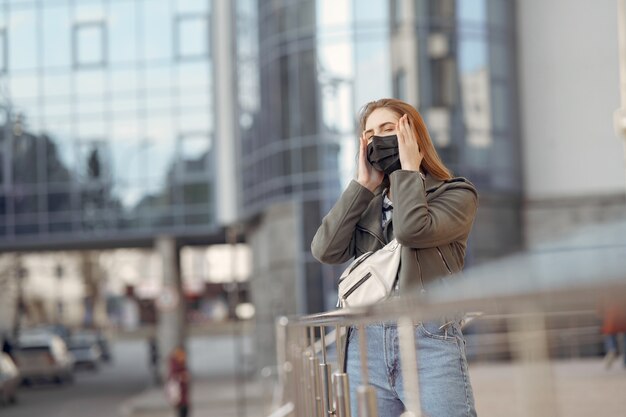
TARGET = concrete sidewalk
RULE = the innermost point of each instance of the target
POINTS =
(582, 388)
(219, 397)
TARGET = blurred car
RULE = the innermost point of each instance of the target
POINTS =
(42, 356)
(10, 379)
(85, 347)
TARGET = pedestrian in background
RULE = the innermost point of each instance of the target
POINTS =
(614, 324)
(178, 381)
(153, 354)
(404, 191)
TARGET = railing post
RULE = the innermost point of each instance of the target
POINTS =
(325, 371)
(342, 394)
(408, 360)
(366, 395)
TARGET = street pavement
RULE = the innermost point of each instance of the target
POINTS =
(93, 394)
(106, 392)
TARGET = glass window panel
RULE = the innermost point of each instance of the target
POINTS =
(192, 36)
(376, 10)
(198, 101)
(57, 86)
(193, 74)
(369, 55)
(90, 109)
(157, 36)
(91, 129)
(24, 86)
(123, 81)
(472, 11)
(195, 120)
(60, 151)
(90, 44)
(160, 130)
(499, 57)
(124, 107)
(400, 85)
(22, 37)
(123, 131)
(24, 159)
(27, 112)
(195, 193)
(501, 107)
(89, 10)
(122, 32)
(26, 203)
(56, 37)
(90, 83)
(158, 79)
(191, 6)
(3, 49)
(498, 12)
(159, 103)
(60, 201)
(194, 150)
(472, 54)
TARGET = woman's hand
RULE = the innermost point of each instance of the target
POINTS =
(368, 176)
(409, 150)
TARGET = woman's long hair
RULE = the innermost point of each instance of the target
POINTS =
(431, 163)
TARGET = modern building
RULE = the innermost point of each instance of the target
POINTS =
(108, 116)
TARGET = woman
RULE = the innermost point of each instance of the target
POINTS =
(403, 190)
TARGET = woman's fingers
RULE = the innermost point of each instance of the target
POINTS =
(410, 154)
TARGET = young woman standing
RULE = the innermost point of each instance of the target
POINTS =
(404, 190)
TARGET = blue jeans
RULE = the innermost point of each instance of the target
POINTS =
(445, 389)
(611, 344)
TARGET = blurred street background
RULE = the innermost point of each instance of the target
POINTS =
(164, 165)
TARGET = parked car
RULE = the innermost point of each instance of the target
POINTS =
(10, 379)
(42, 356)
(85, 347)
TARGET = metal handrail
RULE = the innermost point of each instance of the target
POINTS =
(524, 291)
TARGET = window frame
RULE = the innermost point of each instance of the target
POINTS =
(77, 27)
(179, 20)
(4, 57)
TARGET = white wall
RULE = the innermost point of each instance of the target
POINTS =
(569, 88)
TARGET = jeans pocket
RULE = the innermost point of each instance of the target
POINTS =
(436, 329)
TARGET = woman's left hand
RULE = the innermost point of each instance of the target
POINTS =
(410, 154)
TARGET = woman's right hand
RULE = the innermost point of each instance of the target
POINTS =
(368, 176)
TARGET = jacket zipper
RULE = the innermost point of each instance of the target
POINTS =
(357, 285)
(419, 266)
(444, 260)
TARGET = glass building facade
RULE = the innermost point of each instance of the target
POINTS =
(106, 120)
(316, 62)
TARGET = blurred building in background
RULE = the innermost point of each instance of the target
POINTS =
(129, 123)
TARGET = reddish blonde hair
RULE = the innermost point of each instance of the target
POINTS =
(431, 163)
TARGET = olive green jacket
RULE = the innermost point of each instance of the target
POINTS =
(431, 219)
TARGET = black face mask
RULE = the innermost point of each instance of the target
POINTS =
(383, 154)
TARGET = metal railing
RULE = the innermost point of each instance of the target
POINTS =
(528, 294)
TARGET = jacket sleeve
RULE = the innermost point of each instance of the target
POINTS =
(419, 224)
(334, 241)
